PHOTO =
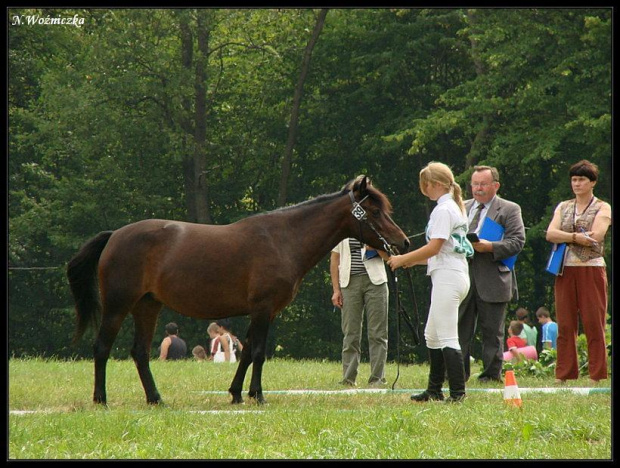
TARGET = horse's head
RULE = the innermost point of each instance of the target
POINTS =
(371, 222)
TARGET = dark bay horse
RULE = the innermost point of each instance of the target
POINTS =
(251, 267)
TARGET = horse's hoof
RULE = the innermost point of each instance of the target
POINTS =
(236, 400)
(258, 398)
(100, 401)
(159, 403)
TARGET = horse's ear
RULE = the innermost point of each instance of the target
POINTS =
(363, 188)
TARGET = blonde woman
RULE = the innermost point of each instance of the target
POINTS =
(445, 255)
(221, 344)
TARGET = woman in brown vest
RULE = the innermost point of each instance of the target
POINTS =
(581, 290)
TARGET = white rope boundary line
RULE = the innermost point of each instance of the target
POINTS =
(576, 390)
(27, 412)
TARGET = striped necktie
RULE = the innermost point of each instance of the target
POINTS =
(476, 219)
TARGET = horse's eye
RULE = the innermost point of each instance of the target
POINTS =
(376, 213)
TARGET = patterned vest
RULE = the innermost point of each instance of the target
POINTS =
(585, 221)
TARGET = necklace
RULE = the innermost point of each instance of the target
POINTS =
(575, 211)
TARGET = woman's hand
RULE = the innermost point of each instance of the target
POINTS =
(584, 238)
(396, 261)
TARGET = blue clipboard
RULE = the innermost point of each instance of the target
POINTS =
(494, 232)
(555, 264)
(370, 254)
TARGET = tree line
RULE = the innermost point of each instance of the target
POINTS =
(212, 115)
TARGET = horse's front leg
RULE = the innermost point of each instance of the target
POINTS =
(259, 345)
(256, 386)
(253, 353)
(237, 384)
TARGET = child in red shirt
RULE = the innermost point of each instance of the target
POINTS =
(518, 346)
(514, 341)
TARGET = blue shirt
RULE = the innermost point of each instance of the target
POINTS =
(550, 333)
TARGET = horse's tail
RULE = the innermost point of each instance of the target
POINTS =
(82, 274)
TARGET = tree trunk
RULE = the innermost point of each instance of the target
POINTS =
(287, 160)
(477, 146)
(201, 192)
(194, 122)
(187, 52)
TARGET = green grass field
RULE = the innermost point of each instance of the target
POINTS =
(51, 416)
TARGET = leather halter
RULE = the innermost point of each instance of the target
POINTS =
(360, 214)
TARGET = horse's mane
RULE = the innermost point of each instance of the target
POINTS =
(313, 201)
(378, 197)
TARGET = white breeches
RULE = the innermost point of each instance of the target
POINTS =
(448, 291)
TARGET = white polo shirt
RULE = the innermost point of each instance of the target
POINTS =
(448, 222)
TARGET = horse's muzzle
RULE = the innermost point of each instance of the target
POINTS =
(405, 247)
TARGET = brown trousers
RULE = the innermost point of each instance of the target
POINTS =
(581, 294)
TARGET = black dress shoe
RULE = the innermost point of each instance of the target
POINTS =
(487, 379)
(426, 396)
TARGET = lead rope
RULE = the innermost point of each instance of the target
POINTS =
(401, 313)
(400, 310)
(360, 214)
(394, 279)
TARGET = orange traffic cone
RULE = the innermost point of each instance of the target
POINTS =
(511, 391)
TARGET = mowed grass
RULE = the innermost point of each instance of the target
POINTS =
(52, 416)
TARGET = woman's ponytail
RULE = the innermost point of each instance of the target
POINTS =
(457, 194)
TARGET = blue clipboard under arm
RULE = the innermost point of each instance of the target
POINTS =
(555, 264)
(493, 232)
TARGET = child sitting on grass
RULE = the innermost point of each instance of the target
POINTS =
(517, 346)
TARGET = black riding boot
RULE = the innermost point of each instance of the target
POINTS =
(456, 374)
(435, 378)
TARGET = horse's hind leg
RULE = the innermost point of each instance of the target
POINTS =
(145, 315)
(110, 325)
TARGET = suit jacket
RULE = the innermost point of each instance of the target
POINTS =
(495, 282)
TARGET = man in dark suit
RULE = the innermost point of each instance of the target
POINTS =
(493, 284)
